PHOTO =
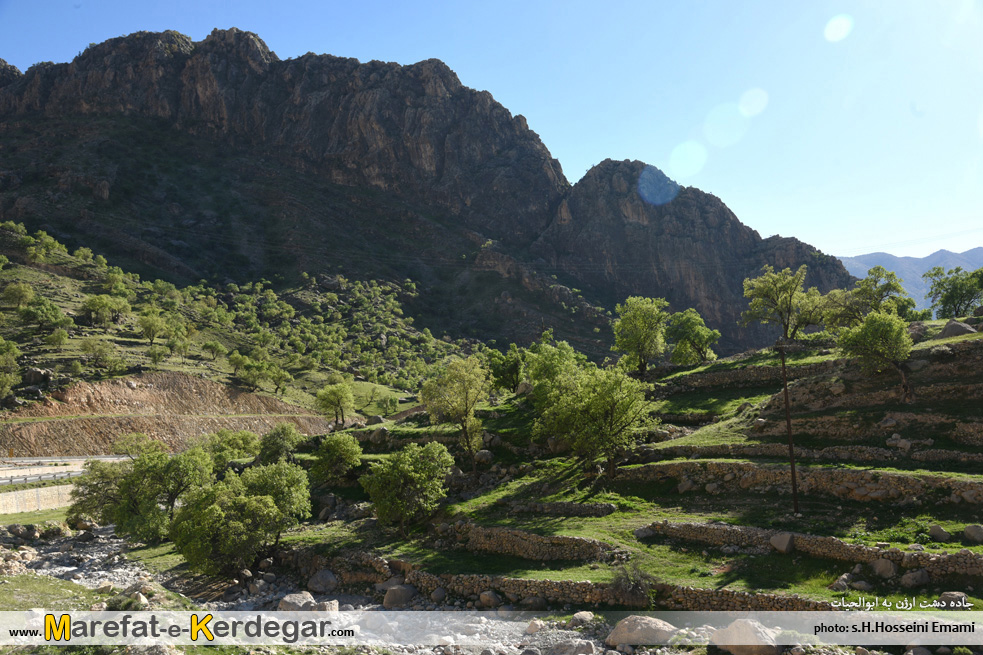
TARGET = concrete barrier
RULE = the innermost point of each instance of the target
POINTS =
(33, 500)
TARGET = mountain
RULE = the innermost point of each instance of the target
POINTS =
(217, 159)
(910, 269)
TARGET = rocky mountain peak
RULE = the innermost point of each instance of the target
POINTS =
(8, 73)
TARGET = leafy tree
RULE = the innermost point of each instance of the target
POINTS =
(337, 455)
(279, 377)
(237, 361)
(220, 529)
(97, 493)
(881, 341)
(693, 340)
(279, 443)
(253, 372)
(157, 354)
(17, 294)
(336, 399)
(640, 329)
(9, 370)
(955, 292)
(103, 310)
(43, 246)
(45, 314)
(57, 338)
(83, 254)
(508, 369)
(553, 368)
(3, 261)
(881, 290)
(152, 325)
(286, 484)
(225, 446)
(453, 395)
(599, 416)
(779, 299)
(136, 444)
(214, 348)
(409, 484)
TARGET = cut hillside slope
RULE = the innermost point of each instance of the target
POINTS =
(170, 407)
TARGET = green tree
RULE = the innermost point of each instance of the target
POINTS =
(599, 416)
(279, 377)
(337, 455)
(157, 354)
(955, 292)
(508, 369)
(9, 369)
(881, 341)
(103, 310)
(640, 329)
(225, 446)
(779, 299)
(45, 314)
(286, 484)
(57, 338)
(692, 339)
(135, 444)
(881, 290)
(152, 325)
(17, 294)
(409, 484)
(214, 348)
(453, 395)
(221, 529)
(553, 368)
(336, 399)
(97, 493)
(279, 443)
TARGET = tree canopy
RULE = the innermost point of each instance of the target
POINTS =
(881, 341)
(640, 329)
(453, 395)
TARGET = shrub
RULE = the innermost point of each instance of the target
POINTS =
(279, 443)
(408, 486)
(338, 454)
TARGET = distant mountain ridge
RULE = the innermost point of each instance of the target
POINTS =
(185, 159)
(911, 269)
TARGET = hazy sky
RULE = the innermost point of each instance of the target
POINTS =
(854, 126)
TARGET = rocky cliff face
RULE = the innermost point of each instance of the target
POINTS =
(626, 229)
(414, 131)
(323, 163)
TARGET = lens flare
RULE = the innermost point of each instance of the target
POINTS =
(838, 28)
(725, 125)
(687, 159)
(655, 187)
(753, 102)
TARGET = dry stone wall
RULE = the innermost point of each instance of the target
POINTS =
(565, 509)
(508, 541)
(729, 477)
(938, 565)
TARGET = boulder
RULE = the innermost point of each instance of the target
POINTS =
(640, 631)
(749, 638)
(322, 582)
(973, 534)
(379, 436)
(438, 595)
(297, 602)
(580, 618)
(534, 626)
(489, 598)
(523, 389)
(533, 603)
(917, 578)
(783, 542)
(884, 568)
(951, 600)
(917, 331)
(571, 647)
(954, 329)
(484, 457)
(938, 533)
(375, 420)
(398, 596)
(327, 606)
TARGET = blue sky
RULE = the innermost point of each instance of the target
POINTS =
(854, 126)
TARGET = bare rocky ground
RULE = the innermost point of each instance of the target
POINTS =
(97, 558)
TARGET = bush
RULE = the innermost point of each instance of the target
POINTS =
(338, 454)
(279, 443)
(408, 486)
(633, 584)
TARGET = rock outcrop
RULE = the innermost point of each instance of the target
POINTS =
(388, 157)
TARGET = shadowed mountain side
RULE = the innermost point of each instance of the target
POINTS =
(691, 248)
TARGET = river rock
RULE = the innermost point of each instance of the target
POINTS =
(640, 630)
(322, 582)
(746, 630)
(297, 602)
(398, 596)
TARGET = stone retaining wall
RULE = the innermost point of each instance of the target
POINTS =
(565, 509)
(938, 565)
(830, 453)
(508, 541)
(729, 477)
(750, 376)
(33, 500)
